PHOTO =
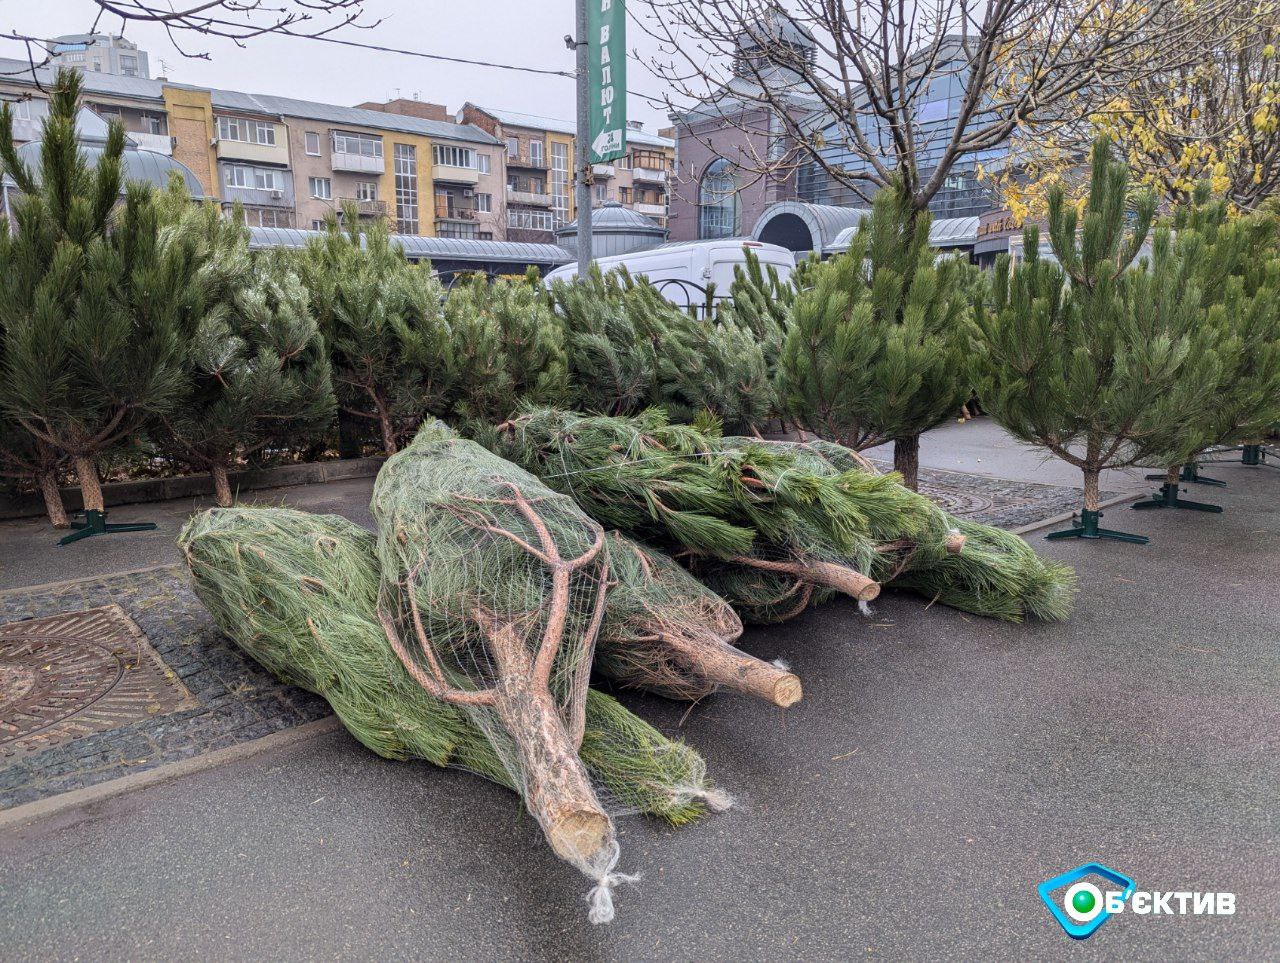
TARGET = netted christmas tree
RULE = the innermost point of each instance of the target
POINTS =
(492, 594)
(256, 371)
(1102, 370)
(876, 348)
(382, 319)
(1230, 265)
(95, 299)
(776, 526)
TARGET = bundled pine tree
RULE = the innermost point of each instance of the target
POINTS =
(1103, 370)
(382, 319)
(256, 371)
(876, 348)
(507, 349)
(94, 300)
(1231, 264)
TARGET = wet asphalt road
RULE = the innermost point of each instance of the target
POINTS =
(939, 767)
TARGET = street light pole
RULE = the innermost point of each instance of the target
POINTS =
(582, 146)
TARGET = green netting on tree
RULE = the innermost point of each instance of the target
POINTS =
(492, 592)
(666, 632)
(298, 593)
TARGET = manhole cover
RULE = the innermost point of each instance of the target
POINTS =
(70, 675)
(955, 500)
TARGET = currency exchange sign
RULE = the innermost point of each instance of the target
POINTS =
(607, 79)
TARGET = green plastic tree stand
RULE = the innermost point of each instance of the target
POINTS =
(1167, 497)
(1191, 474)
(1088, 528)
(95, 523)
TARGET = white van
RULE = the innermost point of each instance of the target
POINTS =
(682, 270)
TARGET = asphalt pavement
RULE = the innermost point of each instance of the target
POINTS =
(939, 768)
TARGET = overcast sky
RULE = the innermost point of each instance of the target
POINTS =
(523, 32)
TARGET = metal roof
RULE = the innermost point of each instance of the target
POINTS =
(613, 218)
(513, 118)
(433, 248)
(139, 165)
(947, 232)
(138, 88)
(824, 221)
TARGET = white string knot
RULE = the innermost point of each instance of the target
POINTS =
(865, 609)
(600, 898)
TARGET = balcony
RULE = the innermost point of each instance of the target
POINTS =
(524, 163)
(160, 143)
(528, 197)
(26, 128)
(374, 208)
(457, 214)
(652, 210)
(605, 171)
(652, 175)
(359, 163)
(277, 153)
(455, 175)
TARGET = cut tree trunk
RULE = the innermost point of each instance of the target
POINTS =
(557, 790)
(90, 488)
(221, 485)
(711, 658)
(52, 495)
(843, 579)
(906, 460)
(1171, 476)
(1091, 496)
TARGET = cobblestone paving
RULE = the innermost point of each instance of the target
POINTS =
(234, 700)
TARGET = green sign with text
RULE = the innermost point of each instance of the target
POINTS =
(607, 79)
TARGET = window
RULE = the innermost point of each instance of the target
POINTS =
(484, 203)
(128, 65)
(366, 190)
(357, 144)
(513, 147)
(482, 163)
(22, 109)
(531, 220)
(247, 131)
(560, 181)
(624, 195)
(486, 235)
(152, 124)
(718, 201)
(454, 156)
(254, 178)
(321, 187)
(406, 174)
(535, 152)
(312, 139)
(267, 217)
(469, 232)
(317, 224)
(602, 193)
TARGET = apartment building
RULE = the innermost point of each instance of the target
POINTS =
(639, 180)
(290, 162)
(467, 174)
(99, 53)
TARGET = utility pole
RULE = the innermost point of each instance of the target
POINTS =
(582, 146)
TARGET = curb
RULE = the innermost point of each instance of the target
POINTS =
(41, 809)
(1067, 516)
(195, 486)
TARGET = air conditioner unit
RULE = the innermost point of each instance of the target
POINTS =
(213, 142)
(467, 192)
(277, 194)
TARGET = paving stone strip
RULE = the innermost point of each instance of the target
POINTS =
(183, 689)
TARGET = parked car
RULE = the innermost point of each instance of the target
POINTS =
(683, 270)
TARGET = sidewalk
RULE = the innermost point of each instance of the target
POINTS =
(939, 768)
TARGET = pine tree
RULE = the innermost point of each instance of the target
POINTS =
(1091, 358)
(94, 298)
(256, 371)
(382, 319)
(876, 348)
(1231, 266)
(508, 349)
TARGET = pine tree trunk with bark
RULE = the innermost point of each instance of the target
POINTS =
(906, 460)
(90, 487)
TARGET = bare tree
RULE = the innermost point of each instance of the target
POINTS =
(871, 91)
(235, 20)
